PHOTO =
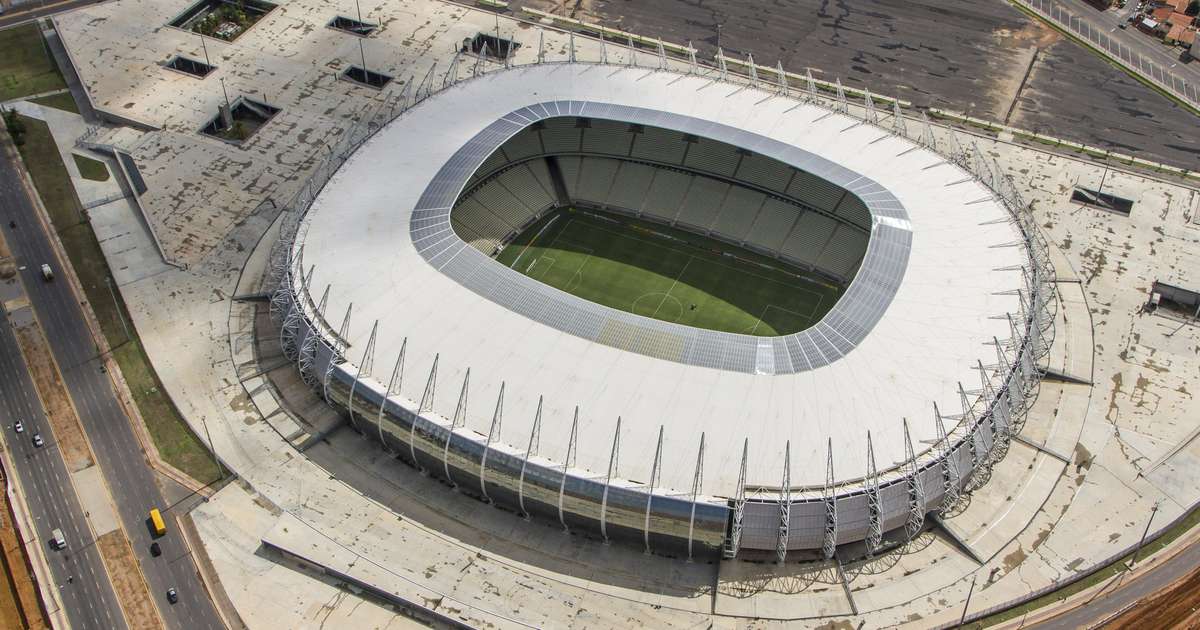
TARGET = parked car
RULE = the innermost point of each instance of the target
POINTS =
(18, 427)
(38, 441)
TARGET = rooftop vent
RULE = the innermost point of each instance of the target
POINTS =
(238, 121)
(352, 26)
(365, 77)
(190, 66)
(490, 46)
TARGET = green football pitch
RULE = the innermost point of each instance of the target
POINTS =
(668, 274)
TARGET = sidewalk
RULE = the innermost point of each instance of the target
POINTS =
(130, 251)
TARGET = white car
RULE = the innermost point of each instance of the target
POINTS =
(38, 441)
(18, 427)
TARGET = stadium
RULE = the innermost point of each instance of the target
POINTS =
(702, 317)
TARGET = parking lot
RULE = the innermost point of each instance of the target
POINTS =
(980, 57)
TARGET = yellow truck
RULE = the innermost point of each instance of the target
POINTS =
(156, 520)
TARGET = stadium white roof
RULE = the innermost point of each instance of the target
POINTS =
(961, 278)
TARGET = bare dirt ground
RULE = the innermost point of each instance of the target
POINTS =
(127, 581)
(19, 603)
(68, 436)
(8, 267)
(1174, 608)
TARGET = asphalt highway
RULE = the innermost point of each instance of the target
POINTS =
(77, 571)
(1130, 592)
(117, 450)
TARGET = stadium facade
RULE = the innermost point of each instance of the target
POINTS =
(947, 278)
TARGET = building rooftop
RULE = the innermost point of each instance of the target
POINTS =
(949, 304)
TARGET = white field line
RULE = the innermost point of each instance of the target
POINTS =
(534, 240)
(673, 284)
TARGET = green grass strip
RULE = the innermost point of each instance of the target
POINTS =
(62, 100)
(94, 170)
(26, 67)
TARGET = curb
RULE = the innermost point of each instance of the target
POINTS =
(208, 573)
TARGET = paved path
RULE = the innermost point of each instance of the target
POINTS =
(117, 449)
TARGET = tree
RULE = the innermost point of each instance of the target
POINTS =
(16, 126)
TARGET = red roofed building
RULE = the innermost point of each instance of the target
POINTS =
(1180, 19)
(1161, 14)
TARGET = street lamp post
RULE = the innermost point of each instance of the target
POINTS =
(963, 618)
(117, 306)
(1142, 541)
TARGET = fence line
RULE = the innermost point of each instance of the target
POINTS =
(1114, 50)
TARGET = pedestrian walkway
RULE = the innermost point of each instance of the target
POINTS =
(111, 210)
